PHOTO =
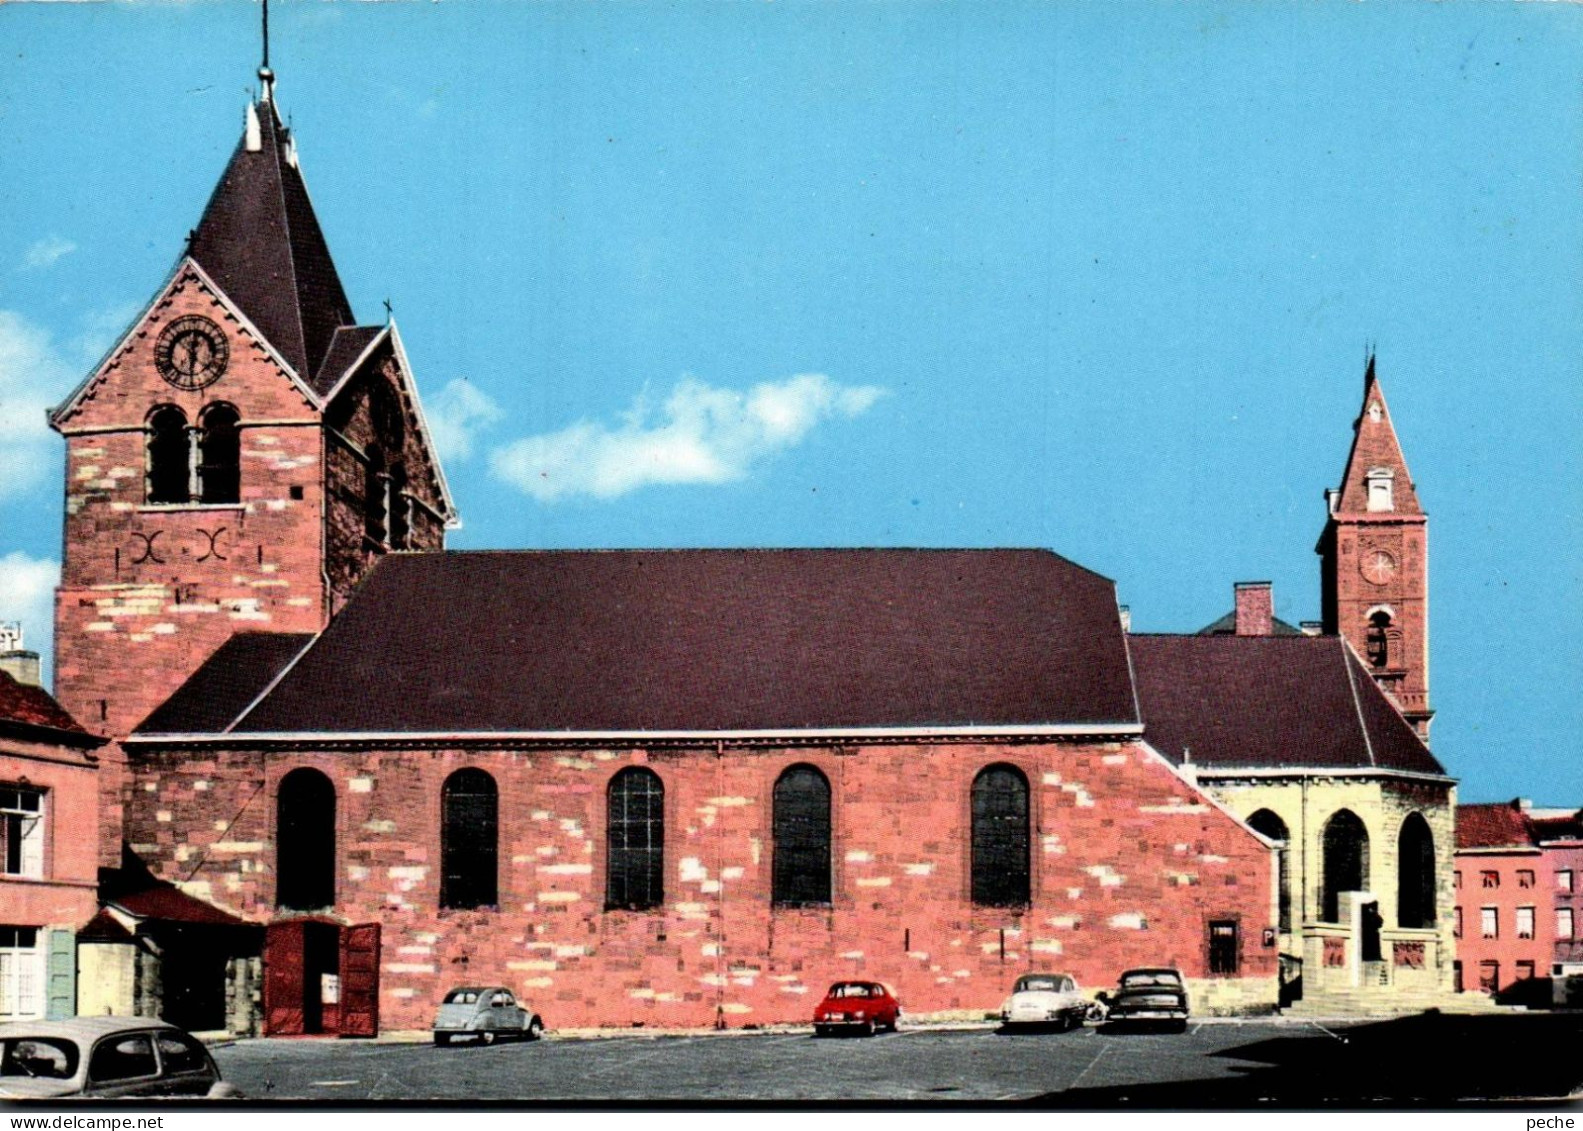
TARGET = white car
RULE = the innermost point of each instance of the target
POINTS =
(105, 1058)
(1045, 1000)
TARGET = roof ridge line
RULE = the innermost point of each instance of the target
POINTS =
(285, 219)
(1347, 657)
(270, 686)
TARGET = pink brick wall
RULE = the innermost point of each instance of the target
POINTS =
(1129, 865)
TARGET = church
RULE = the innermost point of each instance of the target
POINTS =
(349, 769)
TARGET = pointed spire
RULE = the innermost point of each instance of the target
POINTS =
(266, 77)
(1376, 479)
(261, 242)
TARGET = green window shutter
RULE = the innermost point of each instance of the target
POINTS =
(61, 975)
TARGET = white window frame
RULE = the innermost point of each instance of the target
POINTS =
(1564, 879)
(1380, 483)
(1525, 922)
(14, 811)
(1564, 923)
(22, 994)
(1489, 923)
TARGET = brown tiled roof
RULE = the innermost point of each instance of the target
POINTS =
(222, 687)
(1275, 702)
(345, 348)
(711, 640)
(260, 241)
(170, 904)
(1499, 825)
(104, 927)
(26, 709)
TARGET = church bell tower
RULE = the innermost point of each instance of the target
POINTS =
(237, 461)
(1374, 555)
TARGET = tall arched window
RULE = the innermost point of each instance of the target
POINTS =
(1415, 874)
(1346, 851)
(376, 496)
(469, 840)
(801, 830)
(305, 841)
(635, 840)
(1000, 837)
(1273, 827)
(220, 451)
(169, 457)
(1379, 640)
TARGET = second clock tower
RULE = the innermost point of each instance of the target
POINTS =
(1374, 556)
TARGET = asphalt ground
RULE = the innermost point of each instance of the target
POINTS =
(1431, 1059)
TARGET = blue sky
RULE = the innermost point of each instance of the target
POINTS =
(1096, 277)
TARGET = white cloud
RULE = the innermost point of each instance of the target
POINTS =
(33, 377)
(701, 434)
(46, 252)
(456, 415)
(27, 594)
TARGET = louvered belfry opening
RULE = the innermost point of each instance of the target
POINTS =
(1415, 874)
(1000, 838)
(802, 838)
(220, 455)
(169, 473)
(305, 841)
(635, 832)
(469, 841)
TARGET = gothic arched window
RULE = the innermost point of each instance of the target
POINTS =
(169, 456)
(469, 840)
(1346, 855)
(1000, 837)
(635, 840)
(220, 455)
(1379, 640)
(305, 841)
(1415, 874)
(801, 832)
(1273, 827)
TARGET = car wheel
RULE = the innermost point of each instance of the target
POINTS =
(487, 1036)
(441, 1040)
(535, 1029)
(868, 1028)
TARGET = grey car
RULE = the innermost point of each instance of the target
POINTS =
(105, 1058)
(485, 1013)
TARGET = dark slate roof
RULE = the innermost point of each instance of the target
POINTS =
(1276, 702)
(1549, 829)
(1227, 626)
(235, 675)
(261, 243)
(104, 927)
(33, 713)
(1499, 825)
(710, 640)
(346, 347)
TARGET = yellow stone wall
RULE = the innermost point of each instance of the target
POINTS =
(1306, 802)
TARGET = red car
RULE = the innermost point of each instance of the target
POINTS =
(861, 1007)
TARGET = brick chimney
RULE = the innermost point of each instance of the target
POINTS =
(1255, 608)
(22, 666)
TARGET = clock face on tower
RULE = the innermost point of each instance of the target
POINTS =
(191, 352)
(1378, 566)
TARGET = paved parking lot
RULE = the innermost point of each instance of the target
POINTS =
(1431, 1058)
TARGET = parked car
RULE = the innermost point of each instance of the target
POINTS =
(1154, 993)
(105, 1058)
(861, 1007)
(1045, 999)
(486, 1013)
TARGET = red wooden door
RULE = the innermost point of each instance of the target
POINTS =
(360, 980)
(283, 979)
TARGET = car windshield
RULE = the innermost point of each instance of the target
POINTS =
(44, 1057)
(1035, 982)
(851, 989)
(462, 997)
(1137, 979)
